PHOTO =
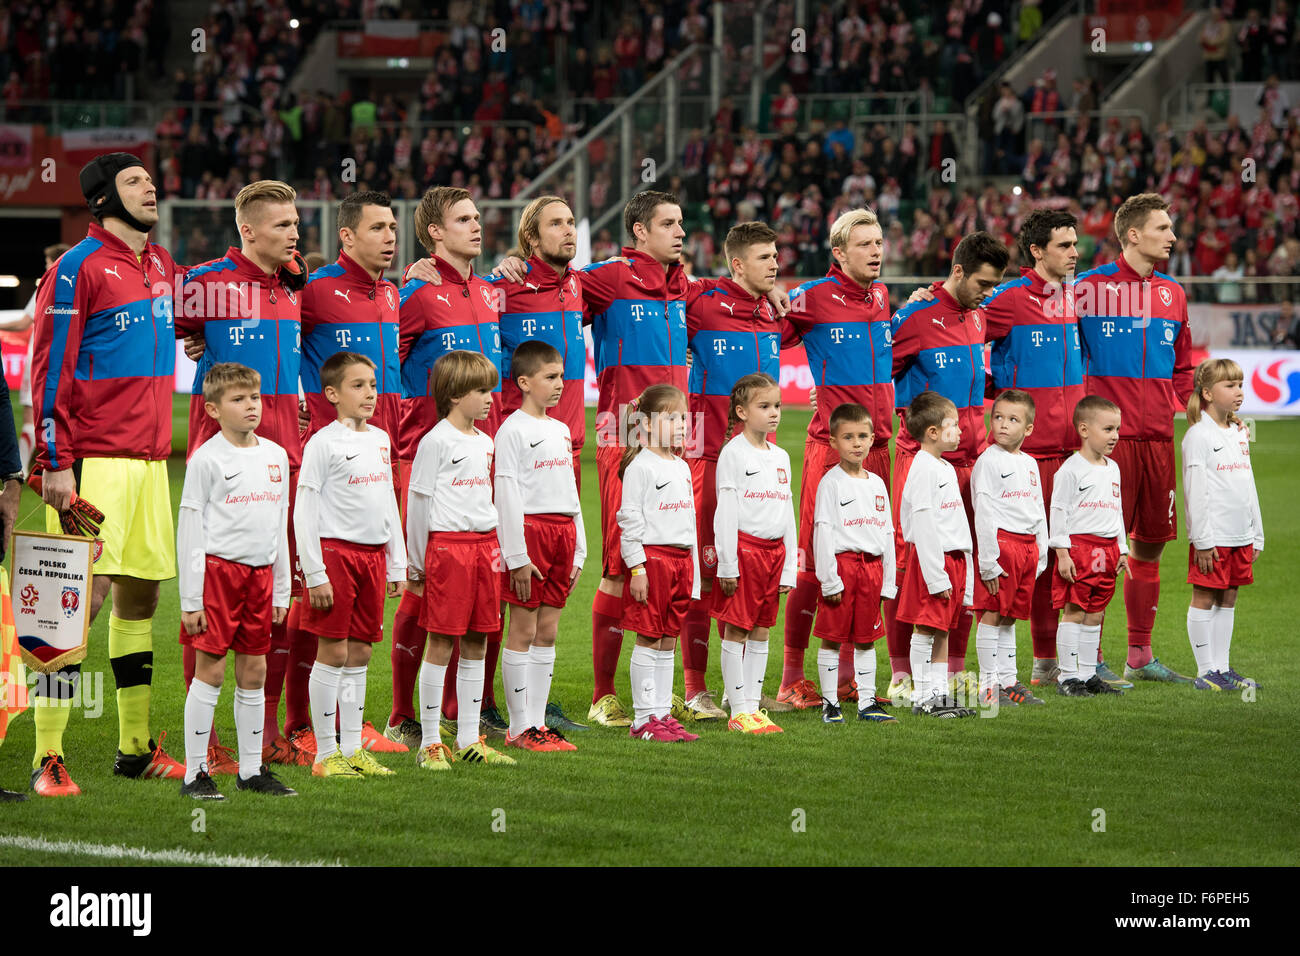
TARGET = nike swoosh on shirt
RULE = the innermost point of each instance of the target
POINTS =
(457, 461)
(1084, 487)
(945, 484)
(1008, 474)
(534, 444)
(238, 473)
(750, 474)
(849, 502)
(350, 457)
(663, 486)
(1220, 448)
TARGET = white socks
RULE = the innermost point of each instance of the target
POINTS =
(1089, 645)
(250, 713)
(352, 703)
(541, 668)
(733, 676)
(919, 656)
(1067, 650)
(864, 671)
(1007, 655)
(828, 674)
(663, 683)
(469, 701)
(986, 652)
(1221, 637)
(432, 679)
(514, 673)
(1200, 631)
(755, 657)
(642, 673)
(323, 696)
(200, 706)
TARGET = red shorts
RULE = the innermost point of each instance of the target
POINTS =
(902, 465)
(669, 578)
(757, 596)
(550, 540)
(608, 458)
(1095, 562)
(704, 482)
(356, 574)
(1146, 481)
(1234, 568)
(1018, 557)
(856, 617)
(916, 605)
(237, 607)
(462, 583)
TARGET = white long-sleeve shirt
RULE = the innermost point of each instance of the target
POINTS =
(534, 476)
(1007, 496)
(933, 517)
(450, 488)
(345, 491)
(1086, 500)
(1219, 487)
(852, 514)
(754, 497)
(234, 505)
(658, 507)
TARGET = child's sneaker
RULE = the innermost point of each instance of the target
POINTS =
(1046, 671)
(1213, 681)
(480, 752)
(1073, 687)
(1021, 694)
(265, 782)
(435, 757)
(765, 725)
(745, 723)
(556, 739)
(682, 733)
(679, 711)
(876, 714)
(654, 729)
(831, 713)
(335, 765)
(201, 787)
(531, 739)
(1098, 686)
(366, 765)
(490, 724)
(1239, 682)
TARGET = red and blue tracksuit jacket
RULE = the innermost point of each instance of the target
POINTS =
(846, 333)
(345, 309)
(1137, 346)
(637, 312)
(939, 347)
(461, 314)
(1036, 349)
(731, 334)
(104, 358)
(248, 317)
(546, 306)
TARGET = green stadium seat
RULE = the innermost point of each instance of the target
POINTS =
(1219, 102)
(942, 104)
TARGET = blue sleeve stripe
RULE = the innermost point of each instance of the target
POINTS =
(221, 265)
(909, 310)
(69, 269)
(333, 270)
(408, 290)
(1012, 284)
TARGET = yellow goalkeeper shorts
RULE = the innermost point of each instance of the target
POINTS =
(138, 530)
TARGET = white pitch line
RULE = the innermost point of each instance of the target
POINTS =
(115, 851)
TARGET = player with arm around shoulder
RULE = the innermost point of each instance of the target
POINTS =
(1086, 529)
(1224, 528)
(234, 577)
(854, 541)
(451, 538)
(659, 549)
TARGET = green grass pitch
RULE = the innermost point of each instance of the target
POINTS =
(1161, 776)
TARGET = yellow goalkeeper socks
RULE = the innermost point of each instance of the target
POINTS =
(130, 652)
